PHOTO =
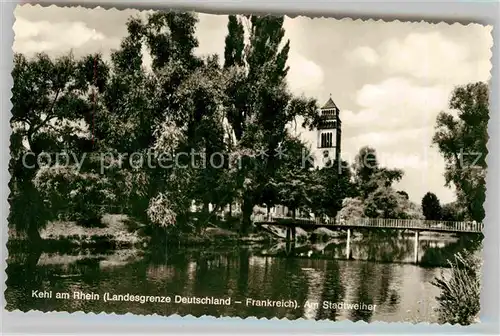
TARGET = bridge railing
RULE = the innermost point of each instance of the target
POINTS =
(467, 226)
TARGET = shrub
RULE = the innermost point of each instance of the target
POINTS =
(160, 211)
(459, 301)
(73, 195)
(351, 208)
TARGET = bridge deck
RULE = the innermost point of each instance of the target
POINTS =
(380, 223)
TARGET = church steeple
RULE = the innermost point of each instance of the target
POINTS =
(329, 104)
(330, 130)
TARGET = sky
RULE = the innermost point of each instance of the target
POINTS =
(389, 79)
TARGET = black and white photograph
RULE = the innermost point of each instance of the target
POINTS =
(240, 165)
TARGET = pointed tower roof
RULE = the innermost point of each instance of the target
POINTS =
(329, 104)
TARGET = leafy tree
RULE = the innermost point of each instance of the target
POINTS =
(431, 207)
(171, 38)
(202, 94)
(259, 103)
(374, 184)
(352, 207)
(291, 183)
(173, 108)
(51, 100)
(375, 192)
(48, 93)
(331, 187)
(382, 203)
(462, 141)
(404, 194)
(408, 209)
(233, 51)
(190, 95)
(365, 166)
(385, 202)
(131, 113)
(369, 176)
(73, 195)
(452, 212)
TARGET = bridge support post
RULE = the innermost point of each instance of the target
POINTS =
(348, 247)
(415, 248)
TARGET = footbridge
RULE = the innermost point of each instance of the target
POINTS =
(416, 225)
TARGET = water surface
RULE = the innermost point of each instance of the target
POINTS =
(381, 273)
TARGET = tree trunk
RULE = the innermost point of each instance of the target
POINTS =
(34, 237)
(231, 209)
(294, 213)
(34, 246)
(206, 209)
(246, 222)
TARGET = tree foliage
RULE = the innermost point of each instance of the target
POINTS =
(260, 105)
(233, 117)
(72, 195)
(375, 189)
(52, 99)
(452, 212)
(462, 140)
(234, 43)
(352, 208)
(291, 184)
(431, 207)
(332, 186)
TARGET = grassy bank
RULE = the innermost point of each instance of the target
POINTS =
(117, 231)
(120, 232)
(114, 231)
(218, 236)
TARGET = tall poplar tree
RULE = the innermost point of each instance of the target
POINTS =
(235, 42)
(259, 103)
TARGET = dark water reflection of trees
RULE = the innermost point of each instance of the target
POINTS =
(378, 275)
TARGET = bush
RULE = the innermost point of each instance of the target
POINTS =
(459, 301)
(351, 208)
(73, 195)
(160, 211)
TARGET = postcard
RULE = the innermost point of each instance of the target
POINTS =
(170, 162)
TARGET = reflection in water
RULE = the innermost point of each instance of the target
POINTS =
(315, 287)
(379, 275)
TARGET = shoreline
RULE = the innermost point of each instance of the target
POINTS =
(118, 232)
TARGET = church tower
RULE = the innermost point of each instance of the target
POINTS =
(329, 132)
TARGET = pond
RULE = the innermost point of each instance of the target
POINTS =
(381, 274)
